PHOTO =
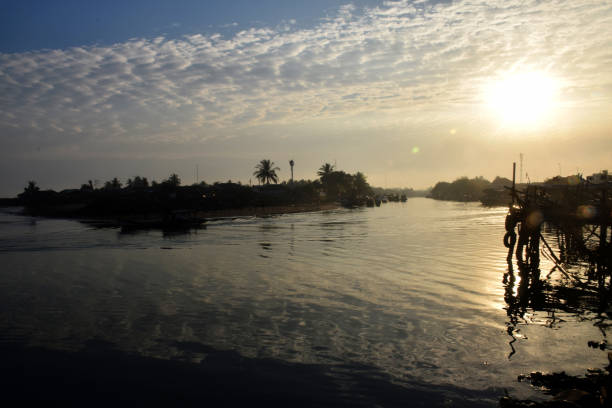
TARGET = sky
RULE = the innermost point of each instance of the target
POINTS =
(407, 92)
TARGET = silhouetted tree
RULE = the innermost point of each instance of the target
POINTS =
(138, 182)
(114, 184)
(31, 188)
(266, 172)
(328, 180)
(335, 184)
(501, 181)
(462, 189)
(173, 180)
(360, 184)
(324, 171)
(88, 186)
(31, 194)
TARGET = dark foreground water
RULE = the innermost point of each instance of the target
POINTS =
(402, 305)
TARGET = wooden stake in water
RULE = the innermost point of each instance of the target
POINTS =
(513, 181)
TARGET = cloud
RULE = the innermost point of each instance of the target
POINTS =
(400, 61)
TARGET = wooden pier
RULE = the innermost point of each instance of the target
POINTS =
(578, 213)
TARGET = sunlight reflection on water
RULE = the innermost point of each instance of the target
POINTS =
(414, 289)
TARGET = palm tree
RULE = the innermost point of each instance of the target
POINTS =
(325, 171)
(291, 163)
(266, 172)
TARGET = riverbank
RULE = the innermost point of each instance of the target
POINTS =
(194, 219)
(166, 205)
(267, 210)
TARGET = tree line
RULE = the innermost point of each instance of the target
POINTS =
(466, 189)
(139, 195)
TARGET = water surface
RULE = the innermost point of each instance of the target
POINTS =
(409, 292)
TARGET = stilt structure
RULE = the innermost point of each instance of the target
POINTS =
(581, 215)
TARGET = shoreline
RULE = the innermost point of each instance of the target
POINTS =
(266, 211)
(200, 215)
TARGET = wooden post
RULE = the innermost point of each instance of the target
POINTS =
(513, 181)
(603, 228)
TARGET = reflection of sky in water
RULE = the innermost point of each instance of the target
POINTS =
(413, 288)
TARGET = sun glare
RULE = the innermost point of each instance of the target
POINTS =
(522, 99)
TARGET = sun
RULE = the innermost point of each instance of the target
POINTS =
(521, 100)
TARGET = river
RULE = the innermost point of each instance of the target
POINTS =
(410, 295)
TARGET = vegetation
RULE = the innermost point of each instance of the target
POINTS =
(350, 189)
(325, 170)
(31, 188)
(173, 180)
(89, 186)
(565, 181)
(266, 172)
(140, 197)
(114, 184)
(465, 189)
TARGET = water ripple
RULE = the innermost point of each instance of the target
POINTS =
(411, 289)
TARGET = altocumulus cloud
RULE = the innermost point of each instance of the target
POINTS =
(399, 60)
